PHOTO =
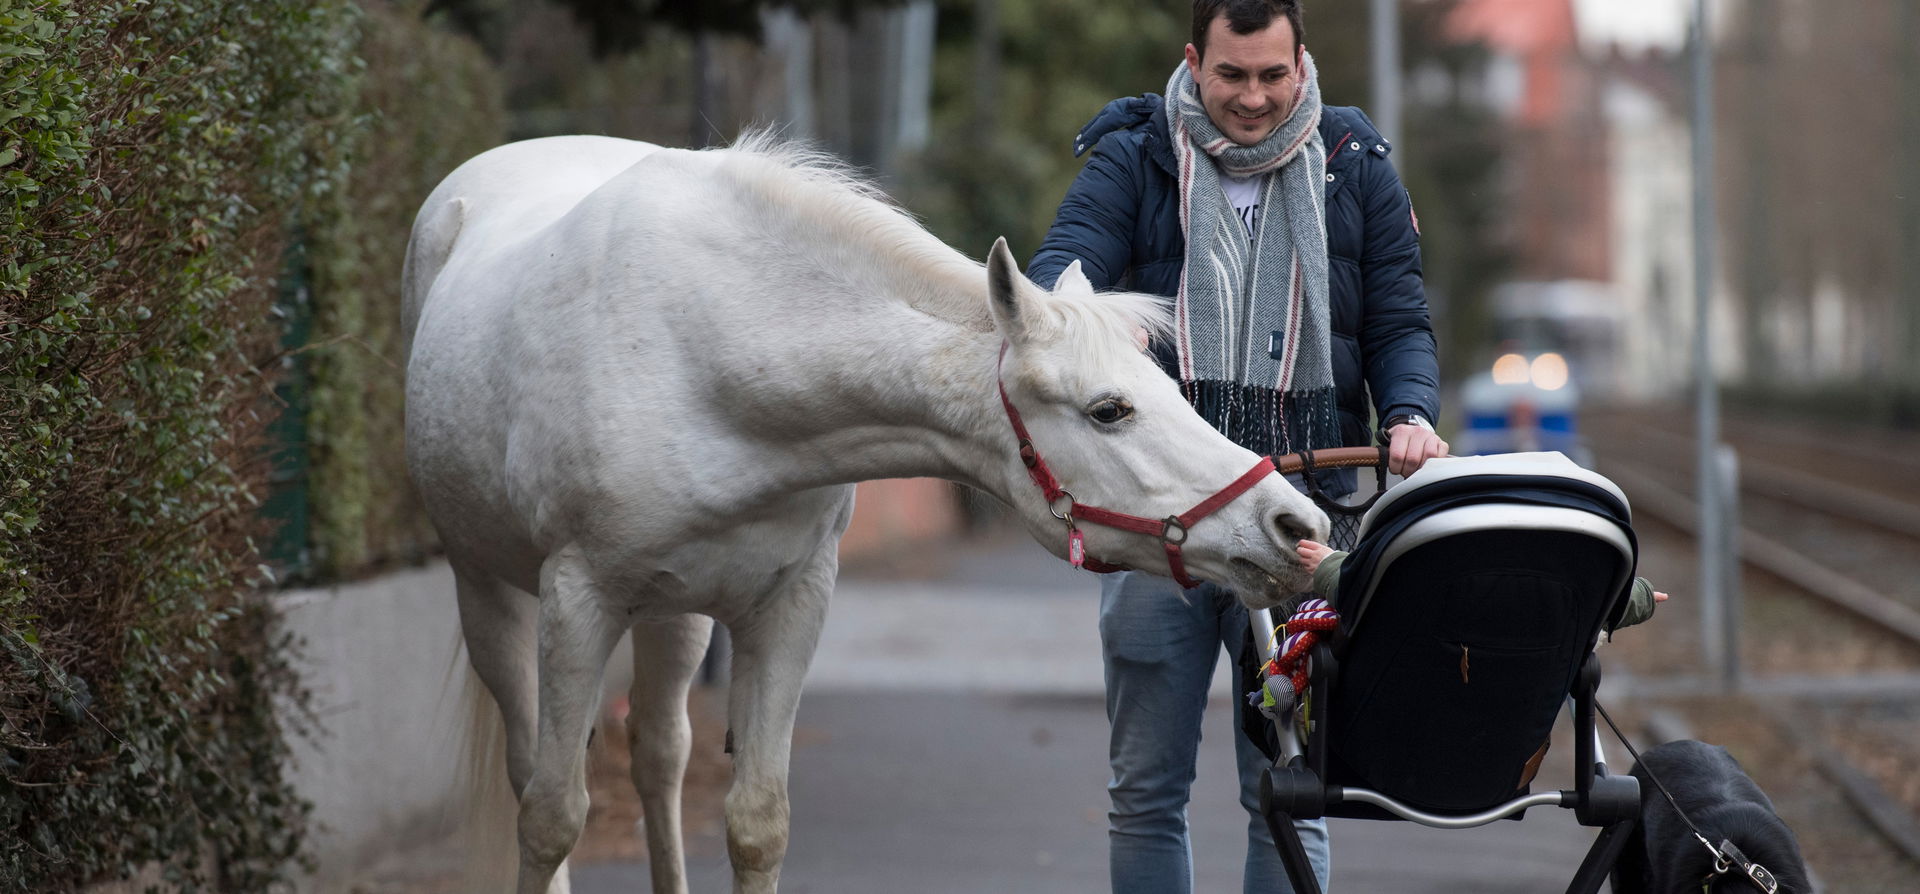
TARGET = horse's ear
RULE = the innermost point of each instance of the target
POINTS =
(1072, 278)
(1003, 290)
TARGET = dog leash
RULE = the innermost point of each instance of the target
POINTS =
(1726, 856)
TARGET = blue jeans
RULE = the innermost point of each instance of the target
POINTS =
(1160, 651)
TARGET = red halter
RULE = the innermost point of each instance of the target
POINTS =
(1171, 530)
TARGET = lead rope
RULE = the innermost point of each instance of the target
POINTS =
(1726, 855)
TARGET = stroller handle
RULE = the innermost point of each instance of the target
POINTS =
(1332, 458)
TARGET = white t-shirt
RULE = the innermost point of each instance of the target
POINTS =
(1244, 193)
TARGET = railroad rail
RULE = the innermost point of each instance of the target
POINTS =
(1810, 490)
(1801, 485)
(1818, 580)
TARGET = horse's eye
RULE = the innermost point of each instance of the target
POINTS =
(1110, 411)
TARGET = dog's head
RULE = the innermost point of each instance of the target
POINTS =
(1675, 862)
(1726, 805)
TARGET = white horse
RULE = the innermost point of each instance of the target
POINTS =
(641, 384)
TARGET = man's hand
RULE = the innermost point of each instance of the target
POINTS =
(1411, 447)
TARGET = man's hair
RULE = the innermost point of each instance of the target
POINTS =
(1245, 17)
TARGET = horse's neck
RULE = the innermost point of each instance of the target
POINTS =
(849, 375)
(897, 386)
(872, 348)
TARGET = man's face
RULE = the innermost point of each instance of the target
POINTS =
(1246, 81)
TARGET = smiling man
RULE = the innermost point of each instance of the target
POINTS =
(1282, 237)
(1245, 87)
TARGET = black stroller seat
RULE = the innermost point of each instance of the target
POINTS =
(1469, 610)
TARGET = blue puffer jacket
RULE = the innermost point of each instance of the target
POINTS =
(1121, 220)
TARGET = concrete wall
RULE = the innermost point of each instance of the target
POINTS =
(381, 660)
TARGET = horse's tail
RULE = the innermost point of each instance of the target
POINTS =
(428, 247)
(487, 810)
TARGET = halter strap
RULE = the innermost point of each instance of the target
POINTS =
(1171, 530)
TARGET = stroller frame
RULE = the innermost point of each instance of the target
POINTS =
(1295, 787)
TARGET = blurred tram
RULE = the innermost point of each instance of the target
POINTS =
(1523, 404)
(1558, 345)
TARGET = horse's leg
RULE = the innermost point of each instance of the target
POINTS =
(772, 648)
(500, 624)
(666, 655)
(577, 634)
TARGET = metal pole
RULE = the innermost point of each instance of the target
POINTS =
(917, 23)
(700, 129)
(1727, 464)
(1263, 640)
(1707, 396)
(1386, 68)
(790, 38)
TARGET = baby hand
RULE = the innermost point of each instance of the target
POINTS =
(1311, 554)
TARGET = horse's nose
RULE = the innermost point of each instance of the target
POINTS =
(1293, 528)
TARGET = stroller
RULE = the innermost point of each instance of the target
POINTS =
(1468, 612)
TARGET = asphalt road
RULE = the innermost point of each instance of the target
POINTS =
(952, 739)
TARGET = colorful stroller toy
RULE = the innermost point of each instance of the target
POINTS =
(1467, 615)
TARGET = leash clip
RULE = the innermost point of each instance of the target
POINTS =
(1727, 856)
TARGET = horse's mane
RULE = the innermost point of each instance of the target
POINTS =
(807, 190)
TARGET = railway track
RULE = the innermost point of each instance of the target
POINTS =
(1657, 474)
(1819, 580)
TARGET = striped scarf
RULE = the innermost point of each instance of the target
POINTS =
(1252, 318)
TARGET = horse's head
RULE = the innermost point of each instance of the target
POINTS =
(1118, 435)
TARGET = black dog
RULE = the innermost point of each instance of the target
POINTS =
(1708, 784)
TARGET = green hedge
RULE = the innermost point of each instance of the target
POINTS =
(429, 101)
(153, 157)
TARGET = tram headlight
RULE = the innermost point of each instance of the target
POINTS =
(1549, 372)
(1510, 369)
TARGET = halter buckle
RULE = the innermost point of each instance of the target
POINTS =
(1172, 523)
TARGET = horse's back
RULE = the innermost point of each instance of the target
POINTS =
(503, 195)
(602, 330)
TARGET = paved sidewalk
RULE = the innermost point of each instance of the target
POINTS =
(953, 739)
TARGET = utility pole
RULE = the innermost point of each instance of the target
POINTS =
(1758, 110)
(1907, 295)
(790, 39)
(700, 129)
(1707, 471)
(986, 68)
(1386, 68)
(917, 22)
